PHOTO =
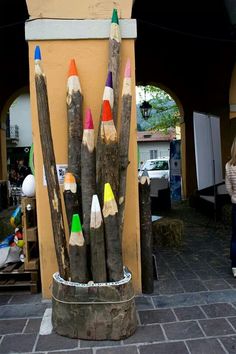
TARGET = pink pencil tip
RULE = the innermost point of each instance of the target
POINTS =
(128, 68)
(88, 123)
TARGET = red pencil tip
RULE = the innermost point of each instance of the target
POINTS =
(106, 111)
(72, 69)
(88, 123)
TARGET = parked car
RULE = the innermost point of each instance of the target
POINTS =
(156, 168)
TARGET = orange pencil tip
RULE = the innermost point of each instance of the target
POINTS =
(69, 178)
(72, 69)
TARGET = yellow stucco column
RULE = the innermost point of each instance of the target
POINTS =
(87, 42)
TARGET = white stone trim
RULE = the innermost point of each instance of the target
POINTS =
(48, 29)
(233, 107)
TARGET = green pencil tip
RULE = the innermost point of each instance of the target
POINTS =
(76, 224)
(115, 17)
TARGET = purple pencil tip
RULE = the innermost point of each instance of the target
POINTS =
(109, 79)
(37, 53)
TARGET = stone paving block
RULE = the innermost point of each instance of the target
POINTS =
(205, 346)
(219, 310)
(182, 275)
(55, 342)
(33, 325)
(178, 300)
(78, 351)
(23, 310)
(216, 284)
(4, 299)
(183, 330)
(121, 350)
(206, 275)
(232, 320)
(211, 297)
(143, 303)
(231, 281)
(229, 343)
(146, 334)
(99, 343)
(168, 287)
(193, 285)
(17, 343)
(12, 326)
(26, 299)
(216, 327)
(156, 316)
(189, 313)
(164, 348)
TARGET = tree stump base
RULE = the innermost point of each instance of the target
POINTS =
(168, 233)
(97, 311)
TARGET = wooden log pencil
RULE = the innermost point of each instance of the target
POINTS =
(108, 95)
(124, 142)
(114, 59)
(146, 233)
(50, 169)
(107, 153)
(88, 172)
(77, 252)
(70, 197)
(75, 126)
(97, 242)
(112, 239)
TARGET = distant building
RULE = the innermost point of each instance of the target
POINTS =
(153, 144)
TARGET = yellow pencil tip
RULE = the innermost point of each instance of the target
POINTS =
(108, 194)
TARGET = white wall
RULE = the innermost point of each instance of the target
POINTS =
(20, 115)
(162, 147)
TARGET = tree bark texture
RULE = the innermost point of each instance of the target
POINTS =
(114, 67)
(88, 184)
(98, 256)
(113, 248)
(75, 134)
(78, 263)
(123, 157)
(51, 178)
(107, 167)
(71, 205)
(146, 234)
(94, 312)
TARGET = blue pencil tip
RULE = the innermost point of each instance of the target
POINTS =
(37, 53)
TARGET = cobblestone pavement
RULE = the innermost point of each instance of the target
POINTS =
(192, 310)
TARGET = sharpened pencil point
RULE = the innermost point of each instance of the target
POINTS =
(114, 17)
(108, 194)
(88, 123)
(109, 79)
(72, 69)
(76, 224)
(95, 204)
(37, 53)
(106, 111)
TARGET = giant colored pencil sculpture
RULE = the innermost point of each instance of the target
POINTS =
(107, 153)
(146, 233)
(77, 252)
(70, 197)
(124, 142)
(112, 239)
(114, 59)
(75, 126)
(50, 169)
(88, 172)
(98, 263)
